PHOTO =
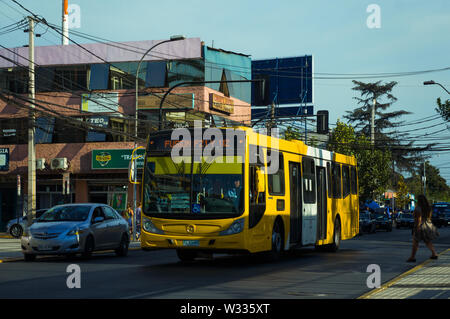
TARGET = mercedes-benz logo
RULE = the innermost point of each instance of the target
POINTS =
(190, 229)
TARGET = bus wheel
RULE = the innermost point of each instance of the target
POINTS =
(277, 242)
(336, 236)
(186, 255)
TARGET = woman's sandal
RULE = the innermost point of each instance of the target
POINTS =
(434, 257)
(411, 260)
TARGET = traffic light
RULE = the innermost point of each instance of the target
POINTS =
(322, 122)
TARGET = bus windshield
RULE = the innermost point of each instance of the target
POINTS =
(211, 190)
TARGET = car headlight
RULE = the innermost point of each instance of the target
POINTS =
(150, 228)
(76, 232)
(236, 227)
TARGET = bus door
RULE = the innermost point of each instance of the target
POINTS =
(309, 216)
(321, 203)
(295, 185)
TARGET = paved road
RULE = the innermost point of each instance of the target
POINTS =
(301, 274)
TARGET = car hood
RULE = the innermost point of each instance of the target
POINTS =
(54, 227)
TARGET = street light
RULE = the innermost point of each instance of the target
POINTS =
(431, 82)
(172, 38)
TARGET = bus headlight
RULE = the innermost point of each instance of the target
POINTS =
(150, 228)
(235, 228)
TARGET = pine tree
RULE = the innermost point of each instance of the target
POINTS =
(404, 154)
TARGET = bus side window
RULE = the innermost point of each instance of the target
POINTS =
(336, 172)
(276, 180)
(309, 181)
(330, 193)
(353, 180)
(345, 180)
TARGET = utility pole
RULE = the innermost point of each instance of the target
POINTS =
(270, 124)
(372, 123)
(424, 181)
(31, 198)
(65, 22)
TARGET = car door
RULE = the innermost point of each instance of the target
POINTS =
(112, 232)
(99, 228)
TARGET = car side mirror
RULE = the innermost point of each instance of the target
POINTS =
(98, 220)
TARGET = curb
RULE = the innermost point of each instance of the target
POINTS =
(398, 278)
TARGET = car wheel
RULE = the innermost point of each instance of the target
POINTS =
(16, 231)
(122, 250)
(186, 254)
(29, 257)
(88, 247)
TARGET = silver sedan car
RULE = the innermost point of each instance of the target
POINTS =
(76, 228)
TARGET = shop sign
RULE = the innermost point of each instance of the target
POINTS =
(100, 102)
(172, 101)
(115, 159)
(221, 103)
(4, 159)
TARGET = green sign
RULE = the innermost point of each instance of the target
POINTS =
(115, 159)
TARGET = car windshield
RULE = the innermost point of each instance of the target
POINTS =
(440, 208)
(379, 215)
(406, 215)
(65, 213)
(364, 216)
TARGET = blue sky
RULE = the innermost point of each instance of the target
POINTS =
(414, 35)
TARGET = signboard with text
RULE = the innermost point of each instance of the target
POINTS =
(221, 103)
(100, 102)
(115, 159)
(172, 101)
(4, 159)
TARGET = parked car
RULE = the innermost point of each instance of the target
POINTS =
(76, 228)
(404, 219)
(438, 215)
(447, 216)
(366, 223)
(16, 226)
(382, 220)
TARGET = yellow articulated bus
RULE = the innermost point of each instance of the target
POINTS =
(234, 190)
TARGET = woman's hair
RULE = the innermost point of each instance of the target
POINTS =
(424, 206)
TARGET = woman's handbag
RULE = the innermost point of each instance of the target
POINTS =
(428, 231)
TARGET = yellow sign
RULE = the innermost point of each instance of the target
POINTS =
(103, 158)
(221, 103)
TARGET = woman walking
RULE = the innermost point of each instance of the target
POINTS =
(423, 229)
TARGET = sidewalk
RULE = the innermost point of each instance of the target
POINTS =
(10, 249)
(429, 280)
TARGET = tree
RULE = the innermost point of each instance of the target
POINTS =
(402, 193)
(292, 134)
(436, 187)
(443, 109)
(404, 155)
(373, 164)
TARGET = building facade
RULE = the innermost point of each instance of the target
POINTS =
(85, 110)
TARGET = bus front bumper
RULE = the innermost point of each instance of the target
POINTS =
(234, 242)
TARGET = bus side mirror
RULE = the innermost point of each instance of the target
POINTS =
(260, 181)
